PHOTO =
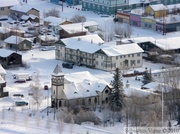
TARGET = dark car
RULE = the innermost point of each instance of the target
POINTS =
(18, 95)
(21, 103)
(20, 81)
(67, 65)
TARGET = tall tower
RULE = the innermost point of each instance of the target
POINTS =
(57, 84)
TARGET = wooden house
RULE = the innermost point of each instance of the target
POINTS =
(18, 43)
(9, 58)
(157, 11)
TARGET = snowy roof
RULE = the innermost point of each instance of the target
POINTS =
(173, 6)
(5, 52)
(87, 43)
(154, 86)
(139, 11)
(25, 17)
(143, 39)
(8, 3)
(168, 43)
(133, 91)
(14, 39)
(1, 79)
(57, 71)
(54, 20)
(158, 7)
(48, 38)
(80, 76)
(2, 71)
(22, 8)
(140, 1)
(117, 50)
(83, 89)
(83, 84)
(73, 28)
(78, 27)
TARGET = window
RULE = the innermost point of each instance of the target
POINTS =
(138, 54)
(132, 55)
(116, 57)
(89, 5)
(128, 55)
(101, 57)
(2, 8)
(84, 4)
(124, 56)
(96, 56)
(93, 6)
(106, 91)
(98, 7)
(138, 61)
(96, 62)
(107, 9)
(102, 8)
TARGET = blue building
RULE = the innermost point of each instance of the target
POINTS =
(69, 2)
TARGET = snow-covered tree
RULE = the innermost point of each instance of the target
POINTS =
(36, 90)
(117, 94)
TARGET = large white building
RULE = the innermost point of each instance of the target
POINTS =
(91, 51)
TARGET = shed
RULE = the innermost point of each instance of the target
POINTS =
(9, 58)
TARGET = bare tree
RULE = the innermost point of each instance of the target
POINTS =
(36, 90)
(78, 19)
(128, 30)
(52, 12)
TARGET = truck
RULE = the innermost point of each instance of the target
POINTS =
(25, 76)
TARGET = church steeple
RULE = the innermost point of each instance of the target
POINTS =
(57, 71)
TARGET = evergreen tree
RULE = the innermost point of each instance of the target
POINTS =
(147, 77)
(116, 96)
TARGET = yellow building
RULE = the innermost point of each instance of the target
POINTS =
(157, 11)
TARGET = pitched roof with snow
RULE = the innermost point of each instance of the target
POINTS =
(54, 20)
(57, 71)
(83, 89)
(88, 43)
(22, 8)
(8, 3)
(25, 17)
(117, 50)
(5, 52)
(158, 7)
(168, 43)
(78, 27)
(14, 39)
(4, 30)
(83, 84)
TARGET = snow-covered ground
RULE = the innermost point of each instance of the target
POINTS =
(43, 62)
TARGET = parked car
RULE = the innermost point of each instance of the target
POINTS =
(21, 103)
(20, 81)
(46, 87)
(67, 65)
(18, 95)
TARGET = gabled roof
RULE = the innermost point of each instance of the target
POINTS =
(158, 7)
(23, 8)
(73, 28)
(168, 43)
(8, 3)
(54, 20)
(125, 49)
(14, 39)
(57, 71)
(25, 17)
(87, 43)
(83, 84)
(5, 52)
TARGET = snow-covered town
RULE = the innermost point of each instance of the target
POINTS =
(89, 67)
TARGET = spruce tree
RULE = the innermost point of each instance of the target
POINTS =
(147, 77)
(117, 94)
